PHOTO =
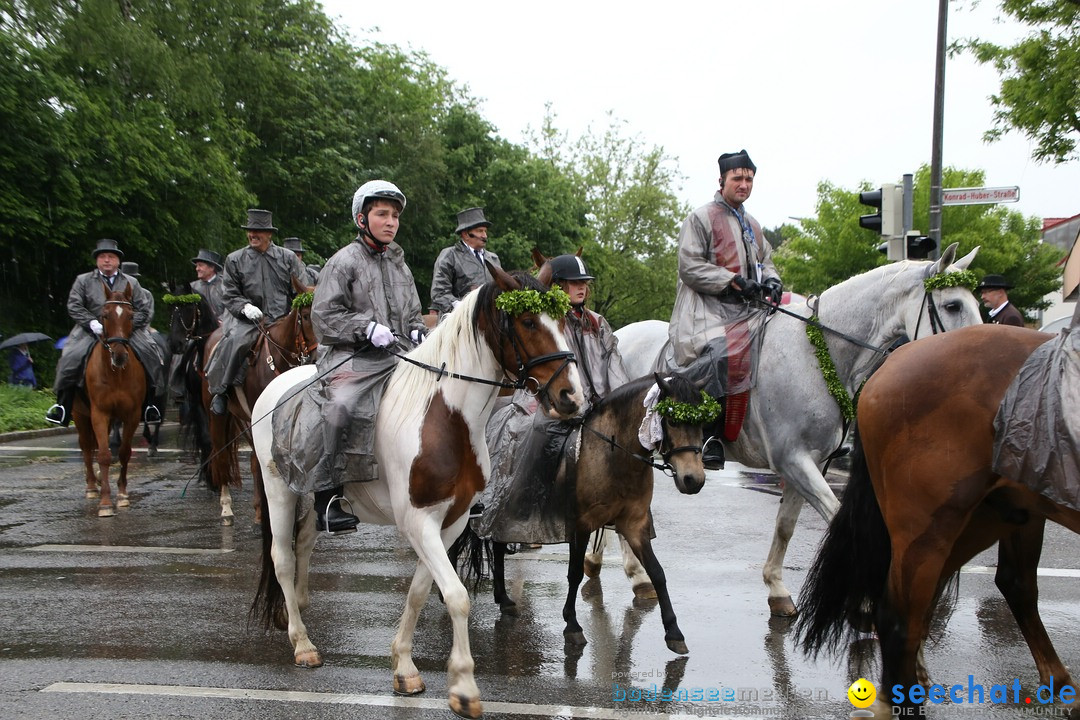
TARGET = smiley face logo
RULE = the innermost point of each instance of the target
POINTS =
(862, 693)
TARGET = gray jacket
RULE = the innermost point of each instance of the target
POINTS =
(213, 292)
(712, 251)
(597, 350)
(457, 271)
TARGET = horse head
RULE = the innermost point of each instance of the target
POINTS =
(948, 298)
(118, 323)
(190, 319)
(304, 341)
(528, 340)
(681, 422)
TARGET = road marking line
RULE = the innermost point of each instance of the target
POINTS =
(130, 549)
(395, 701)
(1044, 572)
(39, 448)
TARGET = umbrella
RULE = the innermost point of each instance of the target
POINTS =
(23, 339)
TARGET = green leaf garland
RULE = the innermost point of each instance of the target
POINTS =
(686, 414)
(302, 300)
(189, 299)
(828, 370)
(958, 278)
(555, 302)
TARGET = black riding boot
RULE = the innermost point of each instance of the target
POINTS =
(329, 517)
(60, 413)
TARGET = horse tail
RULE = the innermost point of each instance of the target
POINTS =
(225, 460)
(471, 556)
(268, 607)
(847, 580)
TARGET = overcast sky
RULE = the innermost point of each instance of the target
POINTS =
(837, 90)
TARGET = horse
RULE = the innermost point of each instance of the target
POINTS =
(612, 484)
(433, 461)
(285, 343)
(114, 385)
(793, 424)
(192, 321)
(924, 498)
(151, 431)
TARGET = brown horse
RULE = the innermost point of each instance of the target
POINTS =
(923, 499)
(285, 343)
(114, 387)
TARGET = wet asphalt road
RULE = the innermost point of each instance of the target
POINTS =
(145, 615)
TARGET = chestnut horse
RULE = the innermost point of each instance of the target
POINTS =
(433, 463)
(114, 388)
(923, 499)
(286, 343)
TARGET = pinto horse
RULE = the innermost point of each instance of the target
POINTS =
(433, 461)
(284, 344)
(613, 485)
(114, 388)
(923, 499)
(794, 423)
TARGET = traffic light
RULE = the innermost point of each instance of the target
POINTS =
(919, 246)
(888, 221)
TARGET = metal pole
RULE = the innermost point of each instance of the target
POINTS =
(939, 122)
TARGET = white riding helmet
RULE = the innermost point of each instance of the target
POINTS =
(376, 189)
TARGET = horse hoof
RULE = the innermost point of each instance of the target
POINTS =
(509, 608)
(151, 452)
(782, 607)
(227, 521)
(592, 569)
(123, 501)
(466, 707)
(575, 637)
(256, 529)
(309, 659)
(644, 591)
(412, 685)
(678, 646)
(92, 494)
(106, 511)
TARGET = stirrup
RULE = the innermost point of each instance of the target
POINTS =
(326, 517)
(713, 463)
(152, 416)
(49, 414)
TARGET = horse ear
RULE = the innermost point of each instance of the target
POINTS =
(128, 291)
(965, 261)
(298, 286)
(538, 258)
(665, 386)
(579, 249)
(503, 280)
(943, 262)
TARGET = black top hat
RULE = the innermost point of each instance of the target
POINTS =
(734, 161)
(260, 220)
(130, 268)
(109, 246)
(470, 218)
(293, 244)
(993, 282)
(208, 256)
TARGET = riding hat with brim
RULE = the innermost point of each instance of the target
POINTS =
(470, 218)
(568, 267)
(293, 244)
(260, 220)
(108, 246)
(994, 282)
(130, 268)
(208, 256)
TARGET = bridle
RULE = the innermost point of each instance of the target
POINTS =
(522, 375)
(190, 330)
(936, 325)
(108, 341)
(301, 353)
(665, 441)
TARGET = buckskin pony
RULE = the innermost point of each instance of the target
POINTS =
(433, 462)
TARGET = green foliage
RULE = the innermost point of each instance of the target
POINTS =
(555, 302)
(22, 408)
(680, 413)
(1039, 95)
(826, 250)
(828, 370)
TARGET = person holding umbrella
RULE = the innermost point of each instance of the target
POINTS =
(22, 365)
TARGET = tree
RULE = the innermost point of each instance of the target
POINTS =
(1039, 94)
(831, 247)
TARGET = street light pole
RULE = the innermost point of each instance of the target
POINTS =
(939, 122)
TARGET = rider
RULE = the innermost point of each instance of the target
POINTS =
(726, 278)
(365, 302)
(86, 303)
(257, 282)
(209, 284)
(460, 267)
(294, 244)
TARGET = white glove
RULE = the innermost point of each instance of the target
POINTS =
(379, 335)
(96, 327)
(252, 313)
(417, 337)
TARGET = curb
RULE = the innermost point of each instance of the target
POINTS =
(31, 434)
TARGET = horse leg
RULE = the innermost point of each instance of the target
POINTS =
(573, 633)
(641, 545)
(1017, 579)
(286, 566)
(407, 680)
(122, 499)
(636, 573)
(780, 602)
(88, 446)
(306, 535)
(498, 578)
(225, 497)
(100, 421)
(594, 552)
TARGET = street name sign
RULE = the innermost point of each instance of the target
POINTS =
(979, 196)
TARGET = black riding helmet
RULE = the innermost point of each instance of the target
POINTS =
(568, 267)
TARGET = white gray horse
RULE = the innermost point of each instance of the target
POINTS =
(793, 424)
